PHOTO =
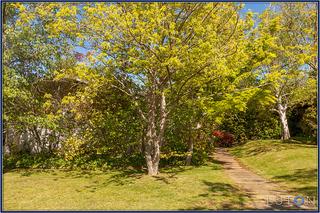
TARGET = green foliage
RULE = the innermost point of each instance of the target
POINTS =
(214, 68)
(309, 122)
(235, 126)
(72, 147)
(40, 161)
(252, 125)
(303, 120)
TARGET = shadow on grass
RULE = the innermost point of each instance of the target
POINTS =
(285, 203)
(302, 140)
(166, 175)
(232, 198)
(223, 189)
(129, 176)
(176, 170)
(301, 177)
(310, 191)
(115, 175)
(124, 177)
(221, 195)
(165, 179)
(256, 148)
(301, 143)
(30, 172)
(282, 205)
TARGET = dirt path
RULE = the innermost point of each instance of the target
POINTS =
(263, 193)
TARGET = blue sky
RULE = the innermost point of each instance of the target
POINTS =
(258, 7)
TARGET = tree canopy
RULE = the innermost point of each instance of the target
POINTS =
(124, 83)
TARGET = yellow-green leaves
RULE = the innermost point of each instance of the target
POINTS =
(72, 147)
(286, 48)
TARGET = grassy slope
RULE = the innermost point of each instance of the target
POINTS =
(293, 165)
(204, 187)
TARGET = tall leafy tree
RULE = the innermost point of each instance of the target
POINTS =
(104, 77)
(153, 51)
(287, 47)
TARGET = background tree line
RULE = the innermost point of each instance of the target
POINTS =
(145, 84)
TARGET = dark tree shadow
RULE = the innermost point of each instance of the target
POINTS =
(127, 177)
(223, 189)
(177, 169)
(124, 177)
(284, 205)
(165, 179)
(301, 176)
(30, 172)
(166, 175)
(301, 141)
(79, 174)
(234, 197)
(27, 173)
(267, 146)
(218, 162)
(276, 206)
(308, 190)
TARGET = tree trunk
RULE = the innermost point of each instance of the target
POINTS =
(190, 143)
(152, 151)
(163, 118)
(284, 121)
(151, 136)
(154, 140)
(190, 151)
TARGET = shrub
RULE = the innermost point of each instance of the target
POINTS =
(308, 122)
(72, 148)
(224, 139)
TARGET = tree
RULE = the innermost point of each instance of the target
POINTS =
(31, 55)
(152, 51)
(115, 80)
(288, 49)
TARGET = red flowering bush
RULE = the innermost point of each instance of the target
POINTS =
(224, 139)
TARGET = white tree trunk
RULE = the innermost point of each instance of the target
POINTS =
(282, 109)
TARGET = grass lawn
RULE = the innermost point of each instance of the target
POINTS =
(291, 163)
(205, 187)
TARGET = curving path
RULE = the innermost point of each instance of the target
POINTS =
(263, 193)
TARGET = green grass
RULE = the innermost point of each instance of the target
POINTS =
(290, 163)
(205, 187)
